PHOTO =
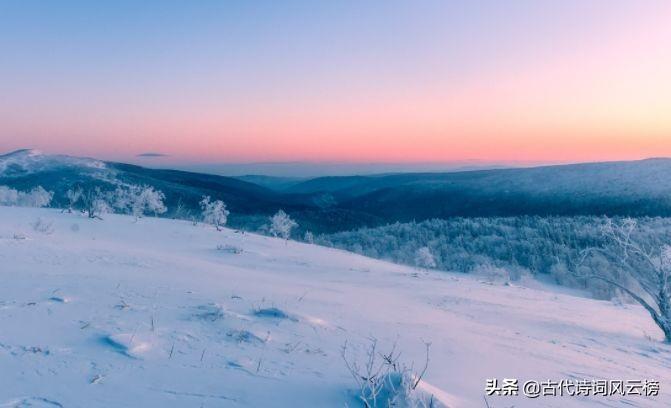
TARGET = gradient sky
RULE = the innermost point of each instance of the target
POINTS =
(348, 81)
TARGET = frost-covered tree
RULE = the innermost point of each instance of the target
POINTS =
(73, 195)
(95, 203)
(8, 196)
(309, 237)
(181, 211)
(214, 212)
(147, 200)
(281, 225)
(424, 258)
(535, 245)
(120, 199)
(37, 197)
(643, 270)
(139, 200)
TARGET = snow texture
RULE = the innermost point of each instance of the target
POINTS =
(119, 313)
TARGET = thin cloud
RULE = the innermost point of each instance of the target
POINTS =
(152, 154)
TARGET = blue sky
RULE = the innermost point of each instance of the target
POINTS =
(316, 80)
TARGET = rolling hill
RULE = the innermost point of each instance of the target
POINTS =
(634, 188)
(330, 204)
(25, 169)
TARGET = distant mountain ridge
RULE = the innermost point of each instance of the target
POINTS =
(25, 169)
(327, 204)
(27, 161)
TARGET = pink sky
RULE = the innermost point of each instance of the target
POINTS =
(600, 91)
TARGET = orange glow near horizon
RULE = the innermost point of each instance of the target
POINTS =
(603, 96)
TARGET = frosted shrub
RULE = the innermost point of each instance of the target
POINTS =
(214, 212)
(43, 226)
(492, 273)
(138, 200)
(309, 237)
(8, 196)
(181, 212)
(383, 381)
(37, 197)
(424, 258)
(640, 270)
(148, 201)
(281, 225)
(99, 207)
(96, 203)
(73, 195)
(231, 249)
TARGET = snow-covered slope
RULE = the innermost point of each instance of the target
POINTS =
(118, 313)
(29, 161)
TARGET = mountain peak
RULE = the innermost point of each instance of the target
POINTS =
(22, 152)
(26, 161)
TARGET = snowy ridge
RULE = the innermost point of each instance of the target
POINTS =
(30, 161)
(150, 314)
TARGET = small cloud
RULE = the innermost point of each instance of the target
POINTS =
(152, 154)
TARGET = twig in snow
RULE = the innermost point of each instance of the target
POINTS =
(426, 365)
(96, 379)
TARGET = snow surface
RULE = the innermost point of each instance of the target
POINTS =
(117, 313)
(29, 161)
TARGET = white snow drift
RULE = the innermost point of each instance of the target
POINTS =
(119, 313)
